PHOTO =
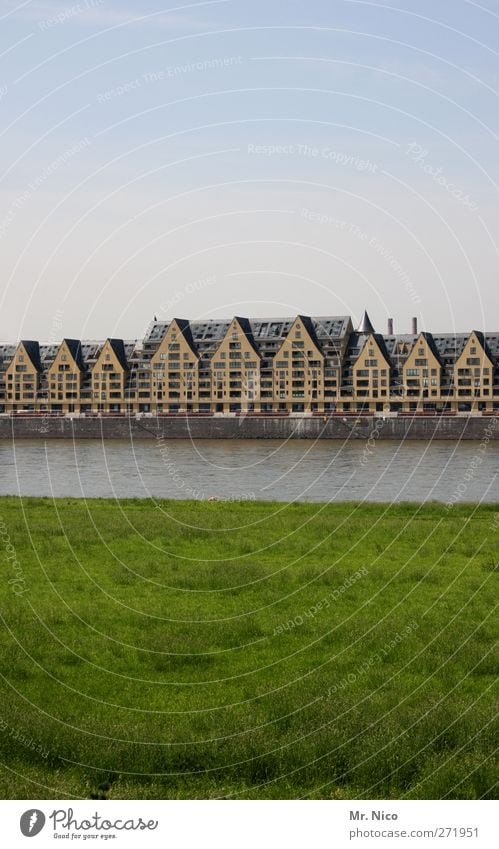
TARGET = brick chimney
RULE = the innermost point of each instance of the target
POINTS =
(414, 326)
(390, 327)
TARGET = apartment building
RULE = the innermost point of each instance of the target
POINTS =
(303, 364)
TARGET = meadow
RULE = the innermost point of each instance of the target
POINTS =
(159, 650)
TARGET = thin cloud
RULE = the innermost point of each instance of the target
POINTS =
(104, 14)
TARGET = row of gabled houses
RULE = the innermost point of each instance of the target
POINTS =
(278, 365)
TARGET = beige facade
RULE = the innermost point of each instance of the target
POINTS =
(299, 371)
(473, 373)
(422, 373)
(300, 365)
(175, 373)
(108, 380)
(235, 372)
(371, 374)
(22, 378)
(64, 381)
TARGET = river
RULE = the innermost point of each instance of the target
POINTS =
(294, 470)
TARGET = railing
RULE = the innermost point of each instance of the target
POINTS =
(41, 414)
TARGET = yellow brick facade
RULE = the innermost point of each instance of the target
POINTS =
(422, 374)
(298, 373)
(175, 373)
(371, 375)
(289, 366)
(235, 372)
(473, 374)
(22, 381)
(64, 382)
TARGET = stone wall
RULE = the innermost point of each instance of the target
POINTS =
(365, 427)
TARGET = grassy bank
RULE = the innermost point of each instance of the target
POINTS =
(248, 650)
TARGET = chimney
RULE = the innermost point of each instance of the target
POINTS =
(390, 327)
(414, 326)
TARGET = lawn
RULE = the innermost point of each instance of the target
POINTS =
(247, 650)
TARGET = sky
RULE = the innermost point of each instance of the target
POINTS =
(210, 159)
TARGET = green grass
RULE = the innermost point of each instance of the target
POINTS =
(206, 650)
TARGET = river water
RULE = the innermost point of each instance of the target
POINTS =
(293, 470)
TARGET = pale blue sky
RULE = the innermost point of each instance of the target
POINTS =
(263, 158)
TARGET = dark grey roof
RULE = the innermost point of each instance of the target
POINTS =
(74, 346)
(262, 329)
(310, 328)
(7, 352)
(248, 332)
(483, 342)
(266, 333)
(432, 346)
(186, 331)
(366, 325)
(118, 347)
(33, 351)
(358, 341)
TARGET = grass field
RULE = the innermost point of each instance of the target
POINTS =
(247, 650)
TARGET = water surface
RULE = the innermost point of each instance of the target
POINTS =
(294, 470)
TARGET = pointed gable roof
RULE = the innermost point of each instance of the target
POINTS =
(248, 332)
(378, 338)
(119, 349)
(74, 346)
(366, 325)
(33, 351)
(431, 344)
(310, 328)
(483, 342)
(185, 329)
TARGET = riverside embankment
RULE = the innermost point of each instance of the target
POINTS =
(252, 427)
